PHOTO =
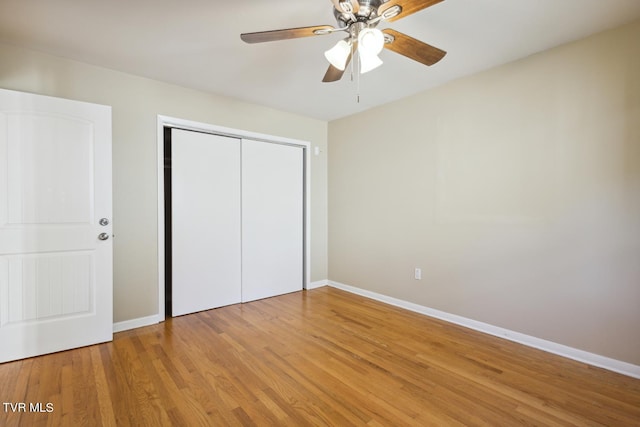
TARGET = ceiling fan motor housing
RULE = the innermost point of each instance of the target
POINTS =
(368, 10)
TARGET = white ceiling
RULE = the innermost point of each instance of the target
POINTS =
(196, 43)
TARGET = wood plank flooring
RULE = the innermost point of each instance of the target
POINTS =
(312, 358)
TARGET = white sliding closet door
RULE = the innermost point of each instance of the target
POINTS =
(272, 219)
(206, 249)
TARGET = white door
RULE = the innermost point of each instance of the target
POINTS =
(205, 188)
(55, 187)
(272, 219)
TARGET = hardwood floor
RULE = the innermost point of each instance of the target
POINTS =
(321, 357)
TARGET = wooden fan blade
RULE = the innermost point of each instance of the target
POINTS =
(289, 33)
(408, 7)
(412, 48)
(333, 74)
(355, 6)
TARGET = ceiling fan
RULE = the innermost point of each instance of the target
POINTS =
(359, 19)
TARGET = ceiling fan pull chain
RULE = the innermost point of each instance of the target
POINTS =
(352, 60)
(358, 81)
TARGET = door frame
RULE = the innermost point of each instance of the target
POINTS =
(176, 123)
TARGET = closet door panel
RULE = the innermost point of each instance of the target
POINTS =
(206, 249)
(272, 219)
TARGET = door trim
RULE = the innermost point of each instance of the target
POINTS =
(172, 122)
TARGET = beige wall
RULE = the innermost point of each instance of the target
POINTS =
(135, 104)
(516, 190)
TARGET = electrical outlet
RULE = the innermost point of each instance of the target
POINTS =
(418, 274)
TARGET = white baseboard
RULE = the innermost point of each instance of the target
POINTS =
(136, 323)
(318, 284)
(548, 346)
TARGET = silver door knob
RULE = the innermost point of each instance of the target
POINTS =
(103, 236)
(103, 221)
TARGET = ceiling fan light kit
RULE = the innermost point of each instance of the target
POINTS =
(370, 44)
(339, 54)
(359, 18)
(368, 63)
